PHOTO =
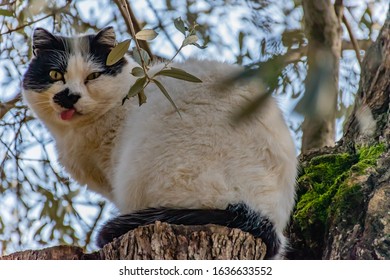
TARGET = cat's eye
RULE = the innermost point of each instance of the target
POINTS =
(93, 76)
(55, 75)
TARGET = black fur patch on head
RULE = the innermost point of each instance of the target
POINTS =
(235, 216)
(100, 46)
(52, 53)
(44, 40)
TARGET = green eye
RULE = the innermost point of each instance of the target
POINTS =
(93, 76)
(55, 75)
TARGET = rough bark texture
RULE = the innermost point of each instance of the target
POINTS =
(52, 253)
(371, 235)
(323, 28)
(161, 241)
(344, 192)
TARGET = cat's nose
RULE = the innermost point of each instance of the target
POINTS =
(66, 99)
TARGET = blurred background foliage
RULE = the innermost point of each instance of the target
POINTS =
(40, 204)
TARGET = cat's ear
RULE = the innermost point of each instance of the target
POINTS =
(106, 37)
(43, 39)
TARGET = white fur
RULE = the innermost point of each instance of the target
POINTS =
(140, 157)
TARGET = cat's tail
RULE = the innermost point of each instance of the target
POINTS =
(235, 216)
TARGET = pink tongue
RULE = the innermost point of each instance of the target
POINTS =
(68, 114)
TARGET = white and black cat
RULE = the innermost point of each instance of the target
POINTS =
(152, 164)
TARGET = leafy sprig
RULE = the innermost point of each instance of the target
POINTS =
(142, 58)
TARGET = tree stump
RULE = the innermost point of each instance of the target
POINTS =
(162, 241)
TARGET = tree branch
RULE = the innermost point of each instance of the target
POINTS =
(132, 24)
(7, 106)
(162, 241)
(53, 13)
(161, 26)
(353, 40)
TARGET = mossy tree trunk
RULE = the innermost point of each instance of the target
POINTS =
(344, 192)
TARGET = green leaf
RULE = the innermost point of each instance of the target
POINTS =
(241, 36)
(138, 86)
(165, 92)
(141, 97)
(192, 39)
(179, 24)
(146, 34)
(138, 72)
(199, 46)
(6, 13)
(124, 99)
(179, 74)
(21, 17)
(118, 52)
(137, 56)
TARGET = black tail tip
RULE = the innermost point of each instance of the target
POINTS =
(235, 216)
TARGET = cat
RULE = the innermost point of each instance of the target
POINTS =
(199, 168)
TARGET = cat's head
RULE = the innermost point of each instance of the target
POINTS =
(68, 81)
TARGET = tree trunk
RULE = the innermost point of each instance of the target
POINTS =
(344, 192)
(323, 28)
(161, 241)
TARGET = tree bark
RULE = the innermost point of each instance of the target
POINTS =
(323, 28)
(349, 217)
(161, 241)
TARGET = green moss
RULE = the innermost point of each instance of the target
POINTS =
(326, 190)
(345, 201)
(368, 157)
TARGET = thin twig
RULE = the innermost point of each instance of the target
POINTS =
(7, 3)
(60, 10)
(25, 25)
(124, 7)
(7, 106)
(92, 229)
(161, 26)
(132, 23)
(353, 40)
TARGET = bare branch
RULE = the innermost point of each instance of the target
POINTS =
(52, 14)
(124, 7)
(7, 106)
(353, 40)
(363, 44)
(25, 25)
(161, 26)
(132, 23)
